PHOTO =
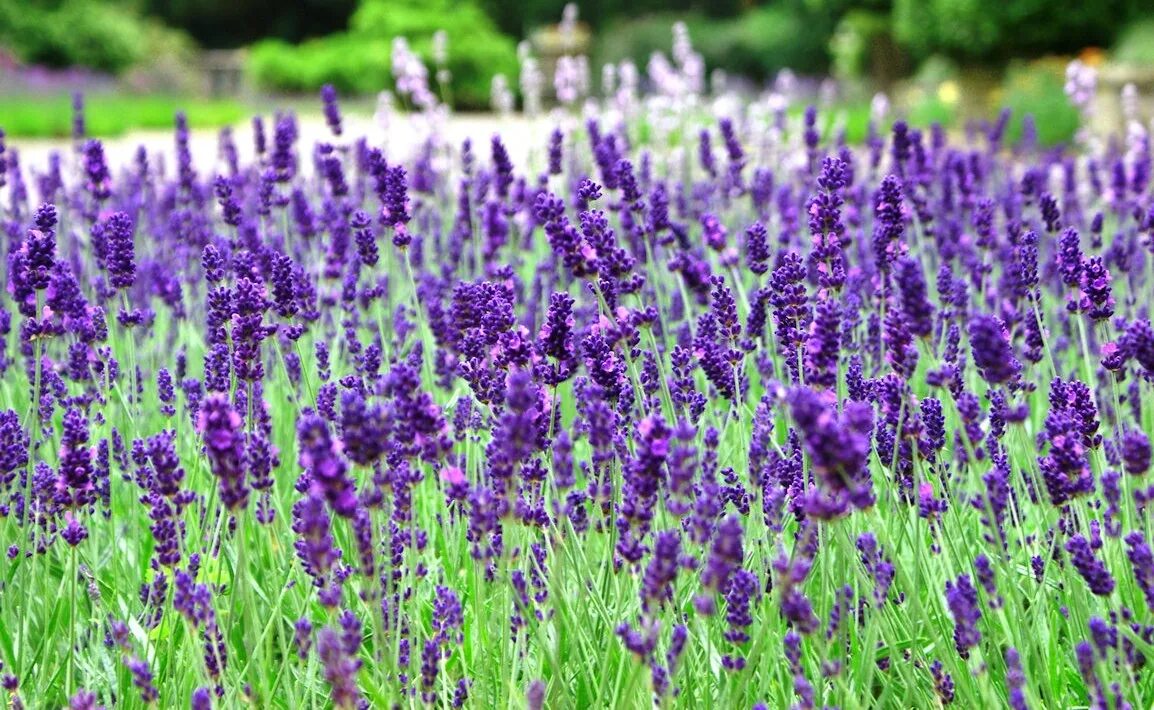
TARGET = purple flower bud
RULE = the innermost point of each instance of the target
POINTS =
(1016, 680)
(120, 253)
(97, 178)
(201, 699)
(962, 599)
(321, 455)
(889, 223)
(1097, 300)
(1135, 452)
(220, 426)
(823, 346)
(142, 679)
(535, 695)
(991, 348)
(916, 306)
(1097, 577)
(340, 668)
(332, 110)
(825, 225)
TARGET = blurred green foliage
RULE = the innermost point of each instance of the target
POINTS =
(518, 18)
(359, 59)
(1136, 43)
(231, 23)
(1037, 89)
(351, 64)
(863, 45)
(756, 44)
(101, 35)
(999, 30)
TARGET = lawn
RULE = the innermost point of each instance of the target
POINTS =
(110, 115)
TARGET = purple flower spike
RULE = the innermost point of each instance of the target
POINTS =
(221, 427)
(991, 348)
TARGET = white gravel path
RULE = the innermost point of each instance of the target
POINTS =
(525, 139)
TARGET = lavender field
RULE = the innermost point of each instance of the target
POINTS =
(692, 405)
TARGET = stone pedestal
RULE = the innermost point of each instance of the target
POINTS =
(1109, 117)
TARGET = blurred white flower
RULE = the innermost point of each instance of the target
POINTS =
(879, 108)
(532, 83)
(1130, 106)
(1081, 84)
(440, 48)
(500, 95)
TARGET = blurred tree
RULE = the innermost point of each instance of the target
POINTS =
(61, 33)
(232, 23)
(754, 42)
(359, 59)
(998, 30)
(520, 18)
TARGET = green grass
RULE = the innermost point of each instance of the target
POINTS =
(110, 115)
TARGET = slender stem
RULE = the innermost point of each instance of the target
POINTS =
(72, 624)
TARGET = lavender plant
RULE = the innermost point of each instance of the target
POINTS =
(604, 425)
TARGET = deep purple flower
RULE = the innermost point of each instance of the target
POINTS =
(962, 599)
(556, 151)
(916, 306)
(340, 668)
(14, 442)
(1066, 467)
(1016, 680)
(120, 258)
(230, 208)
(657, 584)
(220, 426)
(303, 637)
(363, 431)
(991, 348)
(889, 224)
(37, 254)
(556, 341)
(1135, 452)
(213, 262)
(142, 679)
(502, 166)
(743, 591)
(75, 486)
(838, 445)
(943, 683)
(725, 558)
(757, 248)
(362, 227)
(97, 178)
(322, 457)
(823, 346)
(1097, 576)
(825, 225)
(1097, 295)
(201, 699)
(789, 303)
(901, 352)
(1142, 564)
(1070, 258)
(332, 110)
